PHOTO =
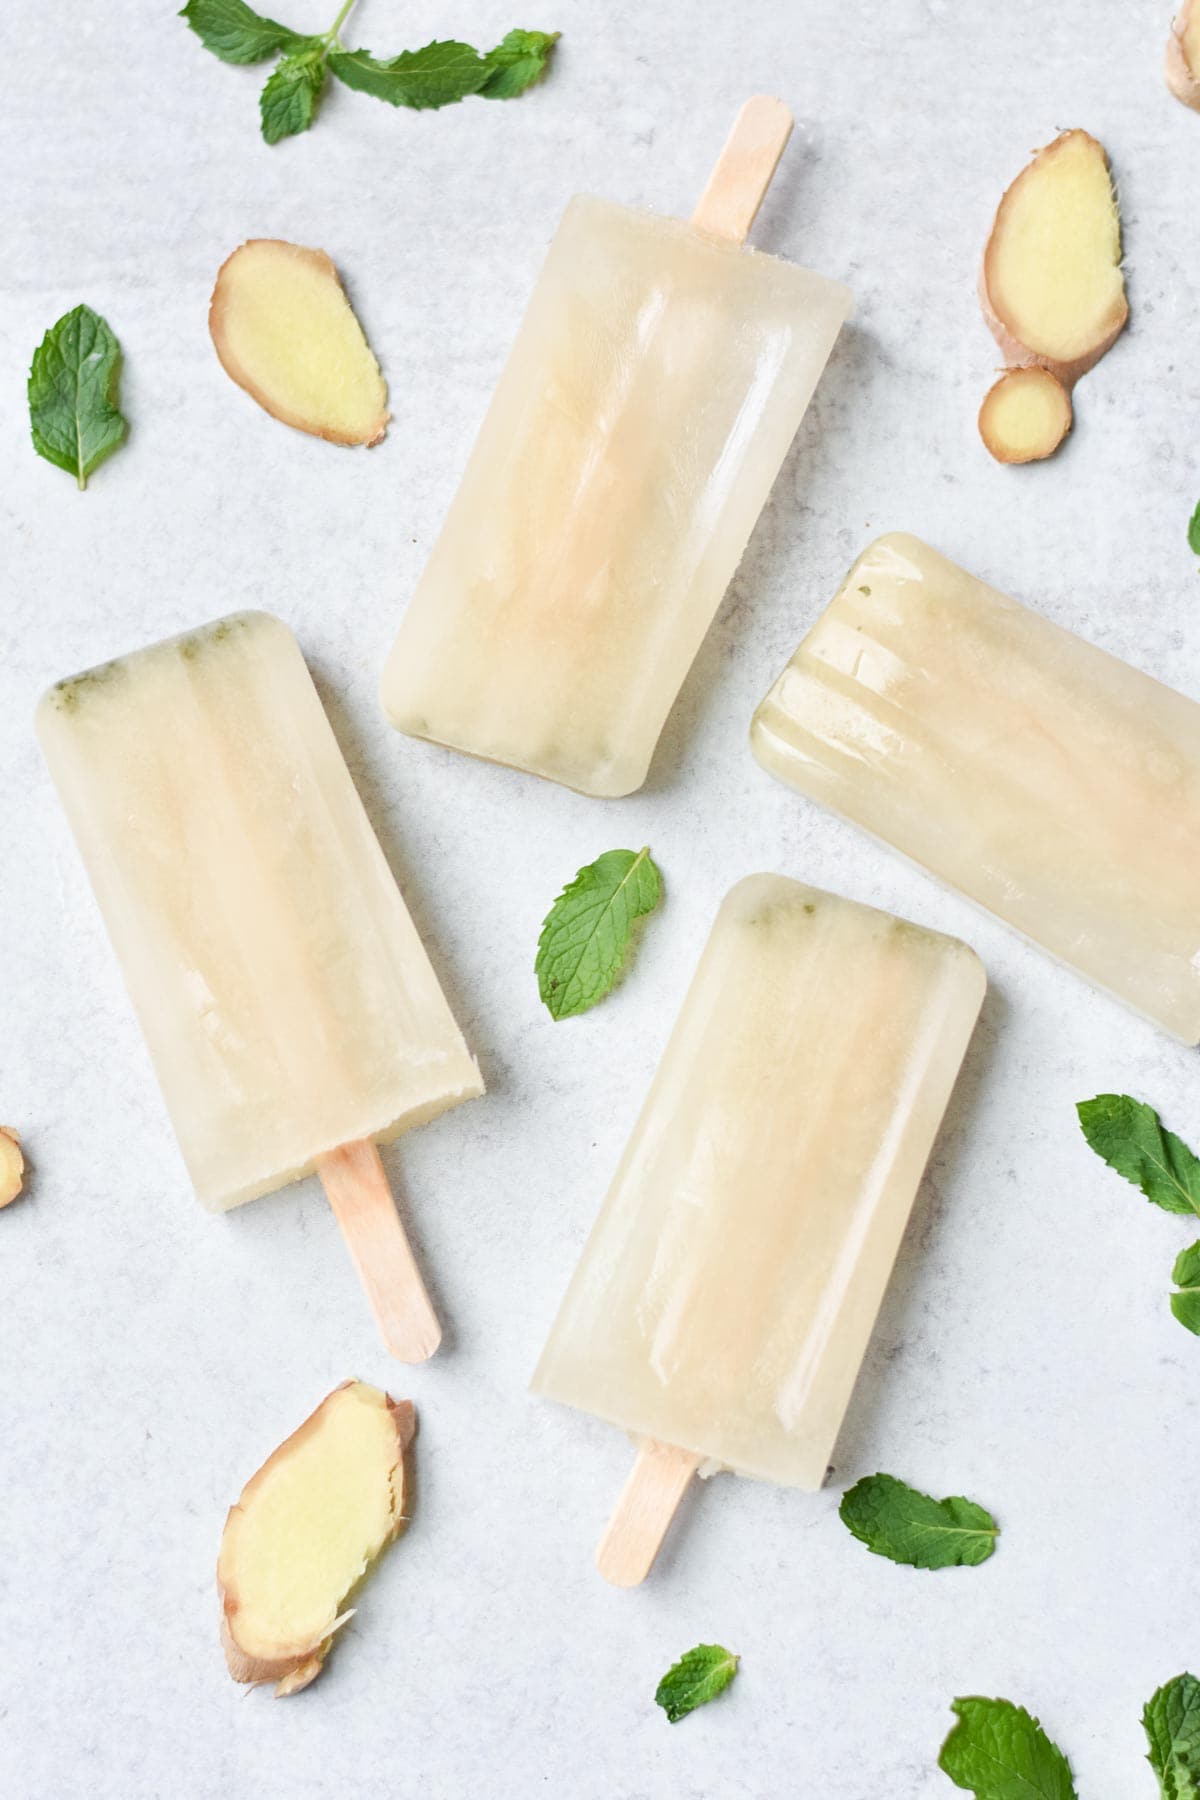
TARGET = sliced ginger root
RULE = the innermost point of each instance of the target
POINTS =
(305, 1531)
(12, 1165)
(1025, 416)
(1183, 55)
(285, 331)
(1051, 286)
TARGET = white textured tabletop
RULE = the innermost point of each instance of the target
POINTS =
(151, 1355)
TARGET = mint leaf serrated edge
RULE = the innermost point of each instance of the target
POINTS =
(72, 390)
(906, 1526)
(698, 1677)
(1130, 1137)
(236, 34)
(1171, 1721)
(585, 936)
(998, 1751)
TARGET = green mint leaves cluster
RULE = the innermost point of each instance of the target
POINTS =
(998, 1751)
(699, 1676)
(437, 75)
(73, 412)
(585, 936)
(1131, 1138)
(896, 1521)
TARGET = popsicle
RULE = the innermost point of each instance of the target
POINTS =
(655, 385)
(292, 1015)
(723, 1304)
(1049, 782)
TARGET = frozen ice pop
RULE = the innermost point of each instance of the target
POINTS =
(1047, 781)
(291, 1012)
(725, 1298)
(659, 376)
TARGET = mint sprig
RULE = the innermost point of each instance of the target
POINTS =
(1130, 1137)
(1186, 1275)
(906, 1526)
(1172, 1725)
(72, 391)
(585, 936)
(998, 1751)
(439, 74)
(699, 1676)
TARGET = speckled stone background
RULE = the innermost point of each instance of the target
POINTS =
(150, 1356)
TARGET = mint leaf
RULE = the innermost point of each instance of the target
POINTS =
(516, 63)
(894, 1520)
(435, 76)
(232, 31)
(699, 1676)
(1172, 1725)
(289, 100)
(999, 1752)
(1194, 531)
(73, 394)
(1130, 1138)
(585, 935)
(1186, 1276)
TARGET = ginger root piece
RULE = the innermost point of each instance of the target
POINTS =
(1051, 286)
(1025, 415)
(1183, 55)
(285, 331)
(12, 1165)
(305, 1531)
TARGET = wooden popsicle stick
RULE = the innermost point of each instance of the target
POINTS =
(357, 1189)
(647, 1504)
(743, 170)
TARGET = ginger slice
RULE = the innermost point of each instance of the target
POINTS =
(285, 331)
(1025, 416)
(12, 1165)
(1183, 55)
(305, 1531)
(1051, 286)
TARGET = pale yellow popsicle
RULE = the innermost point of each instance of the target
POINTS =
(1053, 784)
(727, 1293)
(654, 387)
(287, 1001)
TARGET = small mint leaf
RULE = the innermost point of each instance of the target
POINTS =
(237, 34)
(1186, 1304)
(998, 1751)
(73, 394)
(1129, 1136)
(585, 935)
(1194, 531)
(896, 1521)
(1172, 1726)
(516, 63)
(699, 1676)
(434, 76)
(288, 103)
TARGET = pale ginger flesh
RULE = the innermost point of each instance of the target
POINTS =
(306, 1530)
(285, 331)
(1183, 55)
(1052, 288)
(1025, 415)
(12, 1165)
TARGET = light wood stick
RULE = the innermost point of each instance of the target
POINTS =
(357, 1189)
(743, 170)
(647, 1504)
